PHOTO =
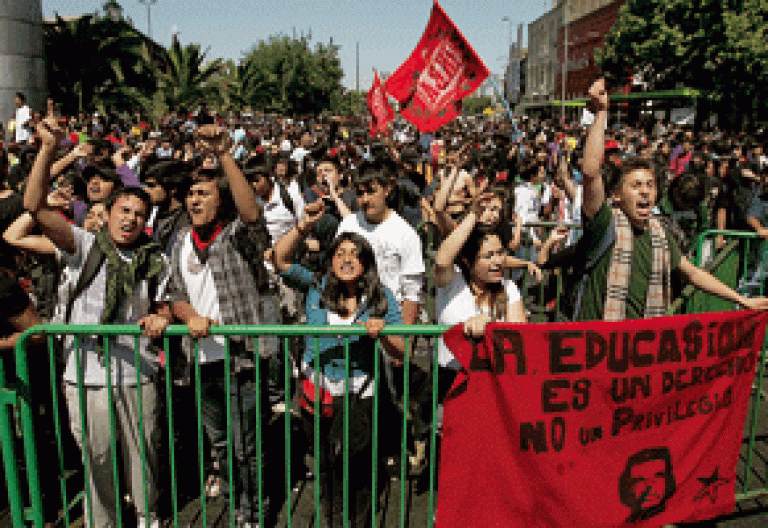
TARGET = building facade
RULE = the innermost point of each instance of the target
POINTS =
(22, 68)
(542, 59)
(589, 22)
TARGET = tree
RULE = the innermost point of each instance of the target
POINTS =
(349, 103)
(475, 105)
(187, 80)
(717, 46)
(288, 76)
(89, 60)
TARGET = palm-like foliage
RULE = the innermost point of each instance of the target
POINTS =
(91, 60)
(187, 80)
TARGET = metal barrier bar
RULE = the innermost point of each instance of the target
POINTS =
(113, 440)
(345, 476)
(745, 239)
(259, 453)
(9, 450)
(171, 435)
(287, 430)
(57, 427)
(83, 429)
(316, 435)
(228, 406)
(375, 446)
(36, 511)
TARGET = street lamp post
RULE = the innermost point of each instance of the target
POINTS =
(149, 4)
(509, 37)
(564, 75)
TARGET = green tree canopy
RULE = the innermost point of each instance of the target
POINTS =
(717, 46)
(188, 79)
(89, 60)
(289, 76)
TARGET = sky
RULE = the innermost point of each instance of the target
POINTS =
(387, 30)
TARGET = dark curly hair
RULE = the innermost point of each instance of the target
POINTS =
(498, 301)
(368, 285)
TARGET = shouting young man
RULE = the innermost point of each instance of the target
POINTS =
(112, 277)
(629, 255)
(218, 277)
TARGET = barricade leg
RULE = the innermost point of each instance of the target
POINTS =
(9, 449)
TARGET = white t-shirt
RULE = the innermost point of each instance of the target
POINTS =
(528, 202)
(198, 279)
(23, 114)
(278, 216)
(87, 309)
(455, 304)
(298, 155)
(397, 249)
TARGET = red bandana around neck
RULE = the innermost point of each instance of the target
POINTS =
(200, 244)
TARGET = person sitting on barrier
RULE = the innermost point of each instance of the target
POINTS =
(113, 277)
(349, 292)
(632, 280)
(218, 277)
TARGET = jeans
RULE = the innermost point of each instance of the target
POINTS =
(243, 398)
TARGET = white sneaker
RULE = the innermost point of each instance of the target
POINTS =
(155, 523)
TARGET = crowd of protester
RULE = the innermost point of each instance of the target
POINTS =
(207, 219)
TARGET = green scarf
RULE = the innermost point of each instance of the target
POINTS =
(122, 276)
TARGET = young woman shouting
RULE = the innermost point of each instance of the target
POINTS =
(349, 292)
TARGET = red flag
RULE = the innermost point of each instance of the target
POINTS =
(381, 112)
(441, 71)
(600, 424)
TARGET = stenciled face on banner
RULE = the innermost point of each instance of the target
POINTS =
(646, 483)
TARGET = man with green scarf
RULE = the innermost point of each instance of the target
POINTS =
(112, 277)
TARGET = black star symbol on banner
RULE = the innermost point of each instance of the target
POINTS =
(709, 486)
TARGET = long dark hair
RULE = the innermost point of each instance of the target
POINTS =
(368, 285)
(498, 298)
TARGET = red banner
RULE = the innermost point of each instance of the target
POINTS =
(597, 424)
(441, 71)
(381, 113)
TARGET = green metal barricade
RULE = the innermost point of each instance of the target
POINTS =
(24, 474)
(742, 265)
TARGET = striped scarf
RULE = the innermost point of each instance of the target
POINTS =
(659, 290)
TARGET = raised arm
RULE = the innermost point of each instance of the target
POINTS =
(333, 193)
(19, 236)
(563, 179)
(245, 199)
(286, 244)
(712, 285)
(53, 225)
(451, 246)
(83, 150)
(594, 187)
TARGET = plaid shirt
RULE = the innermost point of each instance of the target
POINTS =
(235, 258)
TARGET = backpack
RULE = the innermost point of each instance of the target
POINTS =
(286, 198)
(93, 262)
